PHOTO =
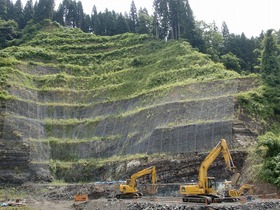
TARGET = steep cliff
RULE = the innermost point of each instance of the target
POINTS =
(80, 105)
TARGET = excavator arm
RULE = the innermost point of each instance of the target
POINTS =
(221, 147)
(151, 170)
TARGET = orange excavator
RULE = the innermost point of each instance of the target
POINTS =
(205, 190)
(129, 189)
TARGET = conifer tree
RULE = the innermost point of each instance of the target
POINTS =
(225, 30)
(188, 30)
(144, 22)
(3, 10)
(95, 21)
(70, 13)
(86, 24)
(162, 20)
(174, 9)
(133, 17)
(44, 10)
(270, 65)
(59, 15)
(109, 22)
(10, 10)
(121, 24)
(174, 20)
(79, 15)
(226, 36)
(18, 14)
(28, 12)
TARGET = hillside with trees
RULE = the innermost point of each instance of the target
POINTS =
(82, 92)
(171, 20)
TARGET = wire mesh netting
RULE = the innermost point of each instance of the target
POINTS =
(60, 125)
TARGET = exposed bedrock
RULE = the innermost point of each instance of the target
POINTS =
(39, 127)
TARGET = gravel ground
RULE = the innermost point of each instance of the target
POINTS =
(157, 204)
(44, 197)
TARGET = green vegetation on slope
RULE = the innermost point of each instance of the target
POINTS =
(263, 162)
(6, 66)
(121, 66)
(263, 105)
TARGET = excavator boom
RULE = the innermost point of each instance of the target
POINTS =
(151, 170)
(221, 147)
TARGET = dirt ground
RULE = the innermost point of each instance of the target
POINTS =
(101, 197)
(50, 205)
(105, 204)
(98, 204)
(94, 204)
(44, 197)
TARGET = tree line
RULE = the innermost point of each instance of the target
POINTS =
(171, 19)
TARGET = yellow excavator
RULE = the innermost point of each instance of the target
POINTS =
(129, 189)
(245, 189)
(231, 193)
(205, 189)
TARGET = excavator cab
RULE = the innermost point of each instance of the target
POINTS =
(127, 188)
(128, 181)
(212, 186)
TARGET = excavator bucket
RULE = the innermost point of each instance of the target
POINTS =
(151, 190)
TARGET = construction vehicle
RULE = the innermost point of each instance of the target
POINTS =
(205, 189)
(129, 189)
(232, 194)
(232, 190)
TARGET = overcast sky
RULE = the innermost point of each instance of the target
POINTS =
(248, 16)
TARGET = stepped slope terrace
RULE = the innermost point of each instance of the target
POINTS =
(74, 102)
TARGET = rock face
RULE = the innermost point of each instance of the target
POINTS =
(14, 152)
(40, 127)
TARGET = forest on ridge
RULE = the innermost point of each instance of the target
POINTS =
(171, 20)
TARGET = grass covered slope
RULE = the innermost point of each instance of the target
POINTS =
(121, 66)
(74, 98)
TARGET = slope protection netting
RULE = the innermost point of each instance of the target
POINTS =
(185, 119)
(64, 104)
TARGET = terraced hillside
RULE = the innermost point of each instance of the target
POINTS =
(74, 101)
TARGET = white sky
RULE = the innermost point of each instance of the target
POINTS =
(248, 16)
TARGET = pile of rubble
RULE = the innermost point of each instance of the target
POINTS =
(269, 205)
